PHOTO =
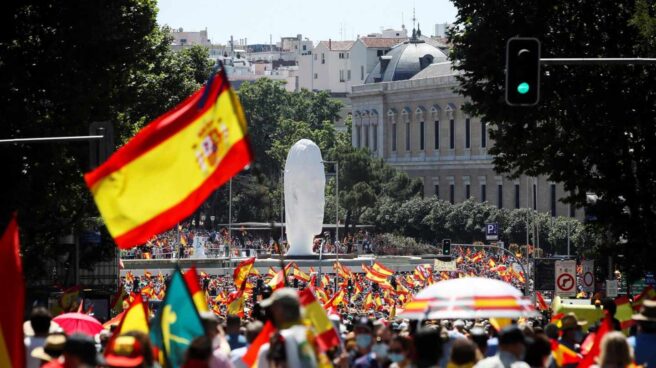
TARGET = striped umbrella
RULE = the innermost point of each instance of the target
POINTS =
(469, 298)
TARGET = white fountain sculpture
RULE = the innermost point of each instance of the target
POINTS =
(305, 183)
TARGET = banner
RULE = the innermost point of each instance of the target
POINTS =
(566, 278)
(445, 265)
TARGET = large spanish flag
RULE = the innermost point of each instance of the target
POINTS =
(326, 337)
(172, 165)
(12, 348)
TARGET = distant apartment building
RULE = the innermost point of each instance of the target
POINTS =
(182, 39)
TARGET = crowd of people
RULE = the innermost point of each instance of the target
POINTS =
(365, 340)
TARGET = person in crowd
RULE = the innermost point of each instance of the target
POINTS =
(610, 306)
(459, 326)
(364, 340)
(283, 307)
(144, 340)
(400, 352)
(235, 339)
(199, 353)
(512, 349)
(220, 346)
(40, 321)
(79, 351)
(538, 351)
(551, 330)
(478, 335)
(571, 332)
(51, 349)
(428, 347)
(615, 351)
(463, 354)
(253, 329)
(644, 342)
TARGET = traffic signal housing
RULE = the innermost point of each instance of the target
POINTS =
(446, 247)
(522, 71)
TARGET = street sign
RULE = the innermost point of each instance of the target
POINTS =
(492, 232)
(587, 279)
(544, 274)
(445, 265)
(565, 278)
(611, 288)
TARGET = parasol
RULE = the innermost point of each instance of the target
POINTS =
(78, 322)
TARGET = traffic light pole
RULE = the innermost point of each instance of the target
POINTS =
(597, 61)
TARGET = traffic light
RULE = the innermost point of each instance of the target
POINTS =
(446, 247)
(522, 71)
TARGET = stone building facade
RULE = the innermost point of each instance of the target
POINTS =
(417, 125)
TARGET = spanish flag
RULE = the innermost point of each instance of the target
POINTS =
(380, 268)
(172, 165)
(135, 318)
(326, 337)
(193, 284)
(241, 272)
(12, 348)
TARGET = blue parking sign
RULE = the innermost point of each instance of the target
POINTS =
(492, 232)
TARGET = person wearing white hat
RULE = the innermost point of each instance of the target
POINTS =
(644, 342)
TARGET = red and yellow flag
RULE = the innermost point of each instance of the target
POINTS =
(250, 358)
(326, 336)
(278, 281)
(563, 355)
(12, 346)
(380, 268)
(135, 318)
(197, 294)
(185, 154)
(242, 271)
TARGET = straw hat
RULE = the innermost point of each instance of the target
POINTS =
(647, 311)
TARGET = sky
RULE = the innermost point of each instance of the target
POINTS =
(317, 20)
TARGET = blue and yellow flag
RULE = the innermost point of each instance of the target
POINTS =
(177, 322)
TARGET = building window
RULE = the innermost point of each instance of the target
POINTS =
(407, 136)
(516, 195)
(483, 193)
(467, 135)
(379, 53)
(347, 55)
(341, 75)
(323, 58)
(421, 135)
(499, 195)
(394, 137)
(358, 138)
(437, 190)
(452, 134)
(552, 188)
(375, 136)
(361, 72)
(535, 196)
(304, 47)
(316, 76)
(467, 191)
(437, 135)
(484, 135)
(366, 136)
(348, 74)
(452, 193)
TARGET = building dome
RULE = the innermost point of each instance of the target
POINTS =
(404, 61)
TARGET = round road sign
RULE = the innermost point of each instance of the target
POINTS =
(565, 282)
(588, 279)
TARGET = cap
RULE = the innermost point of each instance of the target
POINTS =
(124, 351)
(570, 321)
(286, 296)
(459, 323)
(511, 334)
(83, 347)
(53, 347)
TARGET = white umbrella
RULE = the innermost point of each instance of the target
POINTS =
(469, 298)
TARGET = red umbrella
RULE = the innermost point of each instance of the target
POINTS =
(78, 322)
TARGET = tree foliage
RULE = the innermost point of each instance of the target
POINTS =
(594, 128)
(63, 65)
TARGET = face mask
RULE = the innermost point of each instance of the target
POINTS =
(396, 357)
(363, 341)
(380, 350)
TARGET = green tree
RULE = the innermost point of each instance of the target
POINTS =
(63, 65)
(594, 129)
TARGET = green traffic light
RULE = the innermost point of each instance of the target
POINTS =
(523, 88)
